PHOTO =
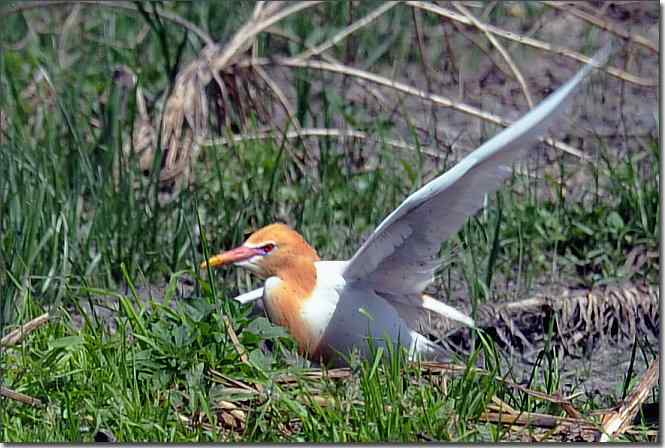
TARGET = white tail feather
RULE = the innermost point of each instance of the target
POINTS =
(436, 306)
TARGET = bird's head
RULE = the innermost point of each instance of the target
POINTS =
(267, 251)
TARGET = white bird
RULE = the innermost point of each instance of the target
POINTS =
(334, 307)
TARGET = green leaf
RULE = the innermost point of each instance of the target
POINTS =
(260, 359)
(263, 328)
(586, 229)
(67, 342)
(614, 221)
(410, 172)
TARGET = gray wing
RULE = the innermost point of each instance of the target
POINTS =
(401, 255)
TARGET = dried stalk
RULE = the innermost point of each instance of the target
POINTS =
(369, 18)
(188, 102)
(18, 396)
(235, 341)
(516, 71)
(617, 422)
(288, 108)
(70, 21)
(480, 43)
(531, 419)
(248, 31)
(570, 429)
(370, 89)
(405, 88)
(617, 73)
(17, 335)
(569, 8)
(319, 132)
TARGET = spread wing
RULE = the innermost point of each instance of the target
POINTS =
(400, 257)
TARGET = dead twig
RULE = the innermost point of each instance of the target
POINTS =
(242, 352)
(235, 341)
(405, 88)
(318, 132)
(516, 71)
(340, 373)
(17, 335)
(532, 419)
(570, 428)
(565, 404)
(458, 369)
(569, 8)
(18, 396)
(617, 73)
(616, 423)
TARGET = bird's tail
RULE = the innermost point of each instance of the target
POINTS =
(427, 350)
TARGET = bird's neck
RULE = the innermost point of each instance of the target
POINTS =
(285, 299)
(298, 275)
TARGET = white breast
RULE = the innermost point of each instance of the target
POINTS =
(319, 310)
(345, 317)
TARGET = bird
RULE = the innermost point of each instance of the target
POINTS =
(335, 308)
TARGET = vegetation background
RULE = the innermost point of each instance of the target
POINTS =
(124, 160)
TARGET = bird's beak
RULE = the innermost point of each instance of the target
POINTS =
(236, 255)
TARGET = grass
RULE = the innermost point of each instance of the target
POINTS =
(79, 222)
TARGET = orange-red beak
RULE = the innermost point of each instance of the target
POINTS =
(240, 253)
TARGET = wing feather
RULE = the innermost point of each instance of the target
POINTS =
(401, 255)
(250, 296)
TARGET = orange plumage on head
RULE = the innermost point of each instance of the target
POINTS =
(278, 251)
(292, 260)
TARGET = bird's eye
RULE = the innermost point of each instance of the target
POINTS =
(266, 249)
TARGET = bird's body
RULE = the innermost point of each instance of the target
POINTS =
(328, 316)
(334, 307)
(341, 318)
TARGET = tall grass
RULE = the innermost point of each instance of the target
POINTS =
(81, 223)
